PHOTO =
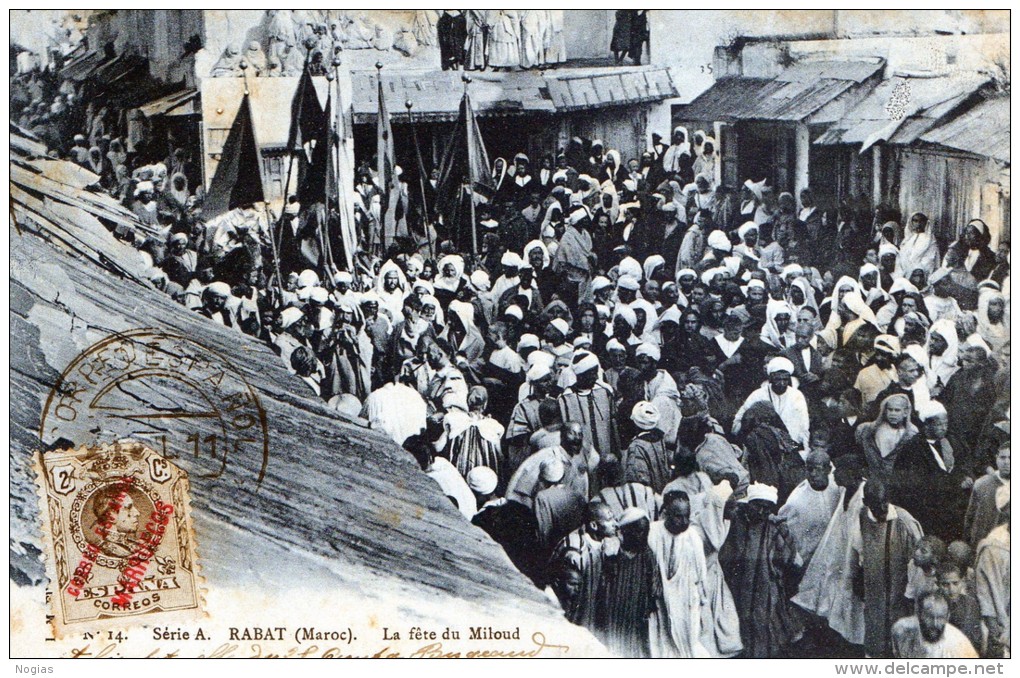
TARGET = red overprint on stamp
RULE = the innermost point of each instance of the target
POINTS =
(138, 561)
(102, 530)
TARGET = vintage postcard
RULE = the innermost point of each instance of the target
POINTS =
(536, 333)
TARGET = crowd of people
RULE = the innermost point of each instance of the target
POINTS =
(708, 423)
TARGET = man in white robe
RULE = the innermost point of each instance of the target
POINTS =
(788, 402)
(396, 409)
(674, 628)
(810, 507)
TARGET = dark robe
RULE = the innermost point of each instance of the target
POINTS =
(513, 526)
(595, 410)
(772, 455)
(883, 554)
(745, 376)
(929, 493)
(757, 560)
(647, 461)
(451, 32)
(523, 422)
(624, 601)
(985, 261)
(969, 397)
(585, 556)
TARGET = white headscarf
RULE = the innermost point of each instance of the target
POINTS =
(770, 332)
(449, 283)
(539, 245)
(918, 250)
(995, 334)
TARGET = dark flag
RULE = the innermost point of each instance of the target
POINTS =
(238, 178)
(464, 163)
(306, 119)
(386, 164)
(317, 178)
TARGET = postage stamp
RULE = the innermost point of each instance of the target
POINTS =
(119, 541)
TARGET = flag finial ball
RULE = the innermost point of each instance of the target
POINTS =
(409, 104)
(243, 65)
(378, 64)
(466, 78)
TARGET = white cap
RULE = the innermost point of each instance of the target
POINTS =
(779, 364)
(482, 480)
(761, 491)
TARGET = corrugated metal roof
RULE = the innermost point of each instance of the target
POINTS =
(171, 104)
(983, 130)
(82, 66)
(436, 94)
(792, 96)
(901, 109)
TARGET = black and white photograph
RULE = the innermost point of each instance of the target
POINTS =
(537, 333)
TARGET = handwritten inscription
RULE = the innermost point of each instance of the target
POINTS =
(536, 646)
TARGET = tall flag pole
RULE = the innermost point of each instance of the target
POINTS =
(469, 120)
(426, 212)
(347, 228)
(386, 162)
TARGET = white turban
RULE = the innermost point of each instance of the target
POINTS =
(552, 470)
(515, 311)
(867, 269)
(289, 316)
(220, 289)
(578, 214)
(779, 364)
(887, 248)
(528, 341)
(645, 415)
(615, 345)
(308, 278)
(541, 358)
(584, 362)
(887, 343)
(538, 371)
(480, 279)
(793, 269)
(581, 341)
(511, 259)
(628, 282)
(632, 515)
(746, 228)
(319, 295)
(761, 491)
(717, 240)
(482, 480)
(686, 272)
(561, 325)
(650, 350)
(630, 266)
(931, 409)
(600, 282)
(708, 276)
(628, 315)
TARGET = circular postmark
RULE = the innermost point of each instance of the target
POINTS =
(182, 398)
